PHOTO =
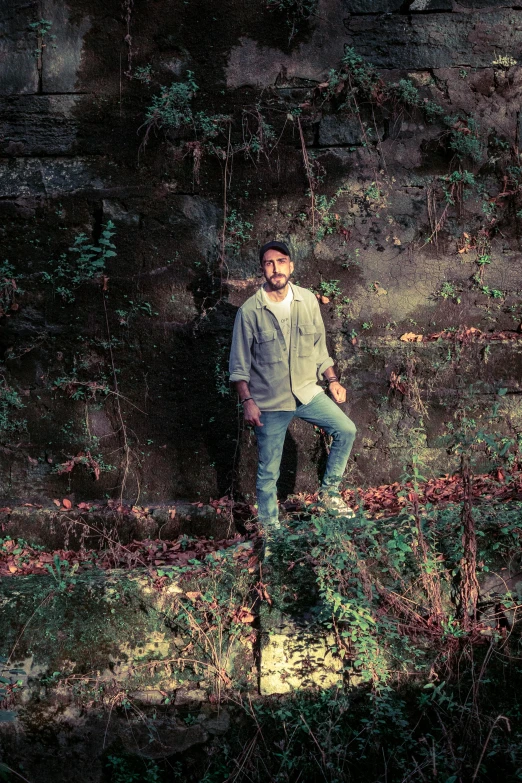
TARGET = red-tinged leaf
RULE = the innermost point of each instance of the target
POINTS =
(57, 502)
(66, 503)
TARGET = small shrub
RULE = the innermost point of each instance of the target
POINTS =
(237, 232)
(85, 263)
(172, 107)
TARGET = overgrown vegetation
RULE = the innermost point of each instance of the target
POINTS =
(84, 263)
(357, 81)
(11, 426)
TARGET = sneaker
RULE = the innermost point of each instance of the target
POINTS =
(333, 504)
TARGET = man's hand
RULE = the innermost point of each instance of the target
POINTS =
(253, 414)
(337, 392)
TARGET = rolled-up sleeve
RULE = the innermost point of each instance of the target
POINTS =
(241, 349)
(322, 358)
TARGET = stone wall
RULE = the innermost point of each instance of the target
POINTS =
(128, 369)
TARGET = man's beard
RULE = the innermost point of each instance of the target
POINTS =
(278, 283)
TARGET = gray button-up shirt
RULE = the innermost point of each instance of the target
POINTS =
(277, 373)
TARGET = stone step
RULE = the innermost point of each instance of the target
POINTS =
(197, 635)
(58, 527)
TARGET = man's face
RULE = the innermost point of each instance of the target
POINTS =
(276, 268)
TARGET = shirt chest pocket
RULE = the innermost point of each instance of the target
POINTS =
(306, 339)
(268, 349)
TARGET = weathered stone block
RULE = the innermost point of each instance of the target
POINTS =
(38, 124)
(372, 6)
(393, 6)
(253, 64)
(294, 658)
(18, 70)
(63, 51)
(436, 40)
(40, 177)
(345, 131)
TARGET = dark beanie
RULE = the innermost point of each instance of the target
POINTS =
(274, 245)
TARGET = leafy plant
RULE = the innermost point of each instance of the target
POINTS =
(9, 288)
(330, 288)
(221, 372)
(129, 769)
(172, 110)
(327, 221)
(10, 403)
(85, 263)
(143, 73)
(464, 139)
(42, 28)
(449, 291)
(237, 232)
(504, 61)
(259, 136)
(62, 572)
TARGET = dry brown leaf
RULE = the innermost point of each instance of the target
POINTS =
(324, 299)
(193, 595)
(411, 337)
(57, 502)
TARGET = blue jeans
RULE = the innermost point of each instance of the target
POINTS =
(323, 412)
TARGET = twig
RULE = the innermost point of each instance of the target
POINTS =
(13, 771)
(126, 447)
(490, 732)
(308, 172)
(47, 597)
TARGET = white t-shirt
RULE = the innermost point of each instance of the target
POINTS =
(281, 310)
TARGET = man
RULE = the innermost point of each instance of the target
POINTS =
(278, 355)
